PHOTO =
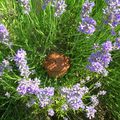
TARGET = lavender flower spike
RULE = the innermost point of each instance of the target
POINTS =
(87, 26)
(28, 86)
(45, 96)
(117, 43)
(26, 5)
(60, 8)
(90, 112)
(46, 2)
(51, 112)
(4, 34)
(21, 62)
(87, 8)
(107, 46)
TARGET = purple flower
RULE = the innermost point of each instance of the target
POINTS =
(74, 96)
(112, 13)
(90, 112)
(87, 8)
(26, 5)
(117, 43)
(46, 2)
(4, 65)
(87, 26)
(1, 69)
(45, 96)
(107, 46)
(103, 92)
(103, 58)
(96, 67)
(51, 112)
(97, 85)
(21, 62)
(89, 20)
(28, 86)
(94, 100)
(60, 8)
(4, 35)
(100, 60)
(64, 107)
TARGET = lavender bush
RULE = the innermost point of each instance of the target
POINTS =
(93, 52)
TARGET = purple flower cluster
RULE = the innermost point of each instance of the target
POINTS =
(88, 24)
(45, 96)
(26, 5)
(117, 43)
(60, 8)
(46, 2)
(4, 65)
(112, 13)
(100, 60)
(94, 100)
(90, 112)
(4, 34)
(28, 86)
(64, 107)
(59, 5)
(21, 62)
(51, 112)
(87, 8)
(74, 96)
(103, 92)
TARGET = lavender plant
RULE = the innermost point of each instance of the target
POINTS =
(4, 34)
(40, 33)
(112, 14)
(88, 24)
(21, 62)
(59, 5)
(100, 60)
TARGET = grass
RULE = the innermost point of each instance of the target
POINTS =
(40, 33)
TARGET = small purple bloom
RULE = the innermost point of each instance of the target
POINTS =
(4, 35)
(103, 92)
(45, 96)
(64, 107)
(28, 86)
(96, 67)
(74, 96)
(60, 8)
(101, 59)
(51, 112)
(46, 2)
(97, 85)
(94, 100)
(21, 62)
(87, 26)
(112, 13)
(87, 8)
(90, 112)
(117, 43)
(1, 69)
(107, 46)
(26, 6)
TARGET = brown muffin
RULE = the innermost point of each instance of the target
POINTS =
(56, 64)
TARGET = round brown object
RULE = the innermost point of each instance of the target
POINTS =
(56, 64)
